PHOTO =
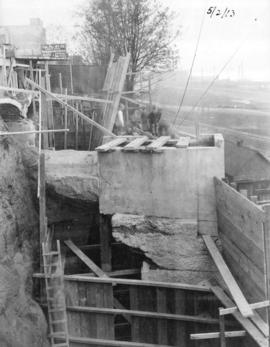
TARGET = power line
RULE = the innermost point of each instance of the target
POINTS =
(191, 67)
(215, 78)
(212, 82)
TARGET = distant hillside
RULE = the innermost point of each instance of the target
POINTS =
(168, 89)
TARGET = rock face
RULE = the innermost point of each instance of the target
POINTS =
(73, 174)
(22, 323)
(173, 245)
(70, 174)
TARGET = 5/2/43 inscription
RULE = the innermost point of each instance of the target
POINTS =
(215, 11)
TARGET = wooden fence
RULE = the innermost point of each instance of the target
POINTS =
(243, 230)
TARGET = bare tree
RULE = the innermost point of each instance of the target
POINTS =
(141, 27)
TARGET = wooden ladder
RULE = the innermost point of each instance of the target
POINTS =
(54, 283)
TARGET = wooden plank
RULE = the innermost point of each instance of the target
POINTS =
(162, 325)
(156, 145)
(87, 296)
(81, 98)
(233, 287)
(251, 329)
(256, 305)
(110, 343)
(238, 237)
(180, 308)
(243, 213)
(207, 336)
(134, 145)
(110, 146)
(72, 298)
(134, 305)
(253, 272)
(250, 289)
(105, 234)
(132, 282)
(33, 132)
(145, 314)
(183, 142)
(19, 90)
(118, 90)
(83, 116)
(148, 326)
(266, 241)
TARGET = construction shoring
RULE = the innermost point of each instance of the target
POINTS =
(83, 116)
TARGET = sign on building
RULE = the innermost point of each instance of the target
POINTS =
(54, 51)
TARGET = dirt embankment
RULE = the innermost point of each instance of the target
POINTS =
(22, 323)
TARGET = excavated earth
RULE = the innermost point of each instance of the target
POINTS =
(22, 322)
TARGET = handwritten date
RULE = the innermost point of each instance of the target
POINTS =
(214, 11)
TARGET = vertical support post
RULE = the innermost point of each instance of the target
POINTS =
(32, 78)
(60, 83)
(39, 142)
(76, 127)
(126, 109)
(71, 78)
(91, 131)
(65, 121)
(42, 201)
(105, 233)
(44, 115)
(266, 233)
(50, 106)
(222, 330)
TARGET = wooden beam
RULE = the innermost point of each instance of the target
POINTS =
(228, 278)
(110, 146)
(251, 329)
(117, 273)
(82, 98)
(18, 90)
(109, 343)
(117, 97)
(92, 266)
(208, 336)
(83, 116)
(105, 235)
(134, 145)
(144, 314)
(33, 132)
(136, 102)
(133, 282)
(256, 305)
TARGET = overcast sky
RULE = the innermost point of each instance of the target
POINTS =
(220, 37)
